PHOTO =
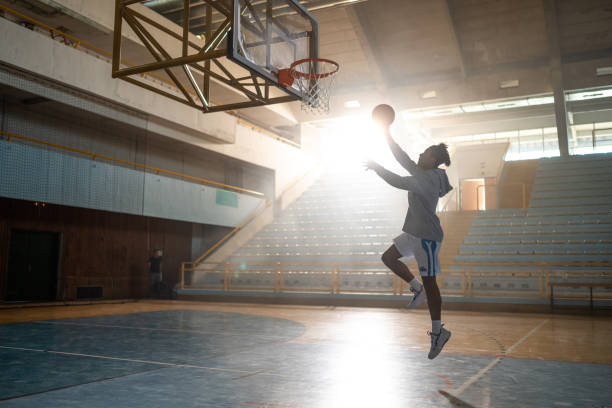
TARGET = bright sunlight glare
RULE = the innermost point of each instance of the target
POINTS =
(351, 140)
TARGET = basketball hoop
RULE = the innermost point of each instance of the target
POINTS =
(314, 78)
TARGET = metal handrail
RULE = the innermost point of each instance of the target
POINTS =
(335, 270)
(78, 43)
(95, 156)
(448, 200)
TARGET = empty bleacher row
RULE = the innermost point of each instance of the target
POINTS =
(569, 220)
(347, 221)
(342, 219)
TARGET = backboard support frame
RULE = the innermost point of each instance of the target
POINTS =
(216, 60)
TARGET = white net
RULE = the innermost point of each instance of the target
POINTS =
(314, 79)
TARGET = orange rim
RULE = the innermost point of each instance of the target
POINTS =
(298, 74)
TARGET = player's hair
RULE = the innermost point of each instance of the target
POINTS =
(441, 154)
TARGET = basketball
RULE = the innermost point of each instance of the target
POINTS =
(383, 115)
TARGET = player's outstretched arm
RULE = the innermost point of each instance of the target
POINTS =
(400, 155)
(395, 180)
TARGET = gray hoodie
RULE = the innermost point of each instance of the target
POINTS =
(424, 187)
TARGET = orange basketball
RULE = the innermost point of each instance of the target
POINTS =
(383, 115)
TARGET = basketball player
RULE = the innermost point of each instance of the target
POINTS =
(422, 234)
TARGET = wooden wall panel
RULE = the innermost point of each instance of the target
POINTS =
(99, 248)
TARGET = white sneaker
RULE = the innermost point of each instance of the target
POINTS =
(437, 342)
(418, 298)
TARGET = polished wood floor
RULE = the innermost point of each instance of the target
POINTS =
(549, 337)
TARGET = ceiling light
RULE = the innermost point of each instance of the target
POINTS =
(352, 104)
(604, 71)
(541, 100)
(428, 94)
(595, 94)
(512, 83)
(479, 107)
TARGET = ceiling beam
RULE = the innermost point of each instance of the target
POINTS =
(450, 19)
(358, 17)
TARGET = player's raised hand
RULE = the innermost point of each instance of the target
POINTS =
(371, 165)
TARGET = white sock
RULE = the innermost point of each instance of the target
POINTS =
(436, 326)
(415, 284)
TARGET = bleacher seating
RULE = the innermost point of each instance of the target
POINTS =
(348, 220)
(341, 219)
(569, 219)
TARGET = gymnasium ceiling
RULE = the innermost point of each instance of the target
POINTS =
(417, 54)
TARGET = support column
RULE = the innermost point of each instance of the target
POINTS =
(550, 12)
(560, 110)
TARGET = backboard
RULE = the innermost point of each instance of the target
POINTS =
(270, 35)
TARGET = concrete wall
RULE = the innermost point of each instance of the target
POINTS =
(479, 161)
(40, 174)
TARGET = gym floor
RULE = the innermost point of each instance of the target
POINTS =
(187, 354)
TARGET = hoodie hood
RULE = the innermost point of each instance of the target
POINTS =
(445, 186)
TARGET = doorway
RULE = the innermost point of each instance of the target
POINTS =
(32, 266)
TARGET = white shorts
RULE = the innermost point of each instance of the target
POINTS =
(424, 251)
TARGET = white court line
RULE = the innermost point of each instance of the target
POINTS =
(479, 374)
(139, 361)
(160, 329)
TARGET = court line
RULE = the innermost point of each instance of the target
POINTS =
(160, 363)
(161, 329)
(483, 371)
(79, 384)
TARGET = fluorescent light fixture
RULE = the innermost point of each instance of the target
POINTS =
(479, 107)
(506, 104)
(352, 104)
(596, 94)
(511, 83)
(428, 94)
(442, 111)
(601, 71)
(540, 100)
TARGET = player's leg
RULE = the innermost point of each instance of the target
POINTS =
(439, 335)
(391, 258)
(434, 300)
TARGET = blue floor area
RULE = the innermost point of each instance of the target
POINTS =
(196, 358)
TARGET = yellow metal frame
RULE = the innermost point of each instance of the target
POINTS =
(80, 43)
(254, 92)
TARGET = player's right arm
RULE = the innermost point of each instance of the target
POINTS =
(400, 155)
(409, 183)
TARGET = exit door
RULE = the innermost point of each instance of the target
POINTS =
(32, 266)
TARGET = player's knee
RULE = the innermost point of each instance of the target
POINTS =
(388, 258)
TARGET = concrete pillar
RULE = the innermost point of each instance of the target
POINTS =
(560, 111)
(550, 12)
